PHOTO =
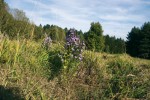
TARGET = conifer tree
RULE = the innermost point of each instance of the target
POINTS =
(138, 43)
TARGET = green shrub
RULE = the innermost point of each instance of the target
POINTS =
(55, 64)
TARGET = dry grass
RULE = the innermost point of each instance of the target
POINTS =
(24, 64)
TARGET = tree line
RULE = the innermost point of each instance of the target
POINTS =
(14, 23)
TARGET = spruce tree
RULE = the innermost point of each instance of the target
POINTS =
(138, 44)
(133, 41)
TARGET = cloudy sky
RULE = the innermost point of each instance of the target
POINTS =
(117, 17)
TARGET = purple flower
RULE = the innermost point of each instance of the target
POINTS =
(73, 44)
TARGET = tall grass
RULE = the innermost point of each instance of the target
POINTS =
(22, 65)
(29, 71)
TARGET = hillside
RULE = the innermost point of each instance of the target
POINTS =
(31, 72)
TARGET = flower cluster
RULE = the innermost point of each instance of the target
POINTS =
(47, 42)
(73, 45)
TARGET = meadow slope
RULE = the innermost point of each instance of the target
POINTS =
(28, 71)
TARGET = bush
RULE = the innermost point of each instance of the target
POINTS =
(55, 64)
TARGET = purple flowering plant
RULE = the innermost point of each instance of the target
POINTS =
(73, 49)
(73, 45)
(47, 42)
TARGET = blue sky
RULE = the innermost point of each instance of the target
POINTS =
(117, 17)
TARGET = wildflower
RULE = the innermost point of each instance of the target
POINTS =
(73, 44)
(47, 42)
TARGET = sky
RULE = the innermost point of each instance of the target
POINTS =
(117, 17)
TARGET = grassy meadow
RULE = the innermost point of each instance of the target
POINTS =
(28, 71)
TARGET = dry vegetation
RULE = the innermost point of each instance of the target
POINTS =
(28, 71)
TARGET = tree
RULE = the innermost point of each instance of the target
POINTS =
(144, 47)
(19, 15)
(38, 32)
(94, 37)
(133, 41)
(90, 40)
(6, 19)
(114, 45)
(138, 43)
(56, 33)
(80, 34)
(13, 25)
